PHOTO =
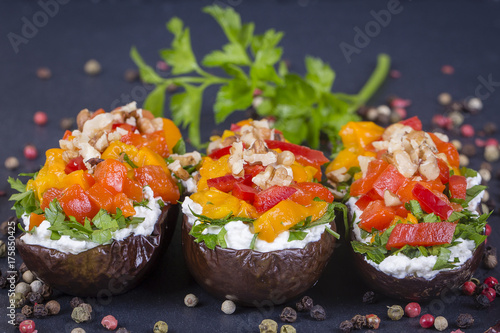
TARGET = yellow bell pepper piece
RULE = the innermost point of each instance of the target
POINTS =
(345, 158)
(116, 148)
(217, 204)
(227, 134)
(360, 134)
(213, 169)
(76, 177)
(146, 156)
(51, 174)
(172, 134)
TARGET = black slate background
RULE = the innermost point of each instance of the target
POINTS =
(423, 37)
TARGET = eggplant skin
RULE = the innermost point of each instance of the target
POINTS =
(253, 278)
(413, 288)
(105, 270)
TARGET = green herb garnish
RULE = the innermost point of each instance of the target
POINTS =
(25, 201)
(302, 106)
(129, 161)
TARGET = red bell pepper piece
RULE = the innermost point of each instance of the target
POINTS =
(413, 122)
(218, 153)
(75, 202)
(376, 215)
(365, 184)
(390, 179)
(253, 170)
(365, 199)
(227, 182)
(67, 134)
(421, 234)
(75, 164)
(432, 203)
(270, 197)
(244, 192)
(444, 171)
(49, 195)
(306, 192)
(401, 211)
(124, 126)
(235, 128)
(458, 186)
(405, 193)
(448, 149)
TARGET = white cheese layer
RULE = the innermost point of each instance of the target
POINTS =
(239, 236)
(400, 265)
(41, 234)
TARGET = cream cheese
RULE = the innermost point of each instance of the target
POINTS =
(239, 236)
(41, 235)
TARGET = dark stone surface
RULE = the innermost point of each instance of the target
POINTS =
(422, 38)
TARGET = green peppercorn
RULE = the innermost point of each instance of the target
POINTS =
(395, 312)
(80, 314)
(17, 299)
(268, 326)
(78, 330)
(160, 327)
(288, 329)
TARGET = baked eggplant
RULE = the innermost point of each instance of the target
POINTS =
(258, 231)
(415, 229)
(101, 209)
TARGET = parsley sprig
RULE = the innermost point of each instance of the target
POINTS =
(303, 106)
(298, 231)
(25, 200)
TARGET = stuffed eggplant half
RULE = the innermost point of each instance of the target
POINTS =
(259, 228)
(101, 208)
(415, 229)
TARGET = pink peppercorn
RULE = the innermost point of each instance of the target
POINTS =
(427, 320)
(447, 69)
(27, 326)
(401, 112)
(395, 74)
(467, 130)
(40, 118)
(468, 288)
(491, 142)
(490, 293)
(442, 121)
(400, 103)
(109, 322)
(480, 142)
(491, 281)
(412, 309)
(30, 152)
(487, 232)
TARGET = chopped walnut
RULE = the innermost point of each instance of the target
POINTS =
(82, 117)
(102, 143)
(442, 136)
(66, 144)
(280, 177)
(402, 161)
(286, 158)
(339, 175)
(188, 158)
(144, 125)
(178, 170)
(262, 178)
(363, 163)
(236, 159)
(114, 136)
(214, 145)
(69, 154)
(390, 199)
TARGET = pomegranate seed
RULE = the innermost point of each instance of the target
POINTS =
(491, 142)
(480, 142)
(40, 118)
(487, 232)
(468, 288)
(27, 326)
(490, 293)
(412, 309)
(30, 152)
(395, 74)
(109, 322)
(447, 69)
(491, 281)
(427, 320)
(400, 103)
(467, 130)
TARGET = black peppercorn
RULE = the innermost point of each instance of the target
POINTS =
(46, 291)
(482, 301)
(317, 312)
(3, 282)
(469, 150)
(35, 298)
(465, 320)
(481, 287)
(358, 321)
(346, 326)
(27, 310)
(369, 297)
(19, 319)
(288, 315)
(39, 311)
(14, 273)
(490, 128)
(23, 268)
(497, 289)
(75, 301)
(305, 304)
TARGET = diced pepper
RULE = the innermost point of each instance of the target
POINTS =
(146, 156)
(315, 190)
(271, 196)
(376, 215)
(363, 185)
(458, 186)
(244, 192)
(121, 201)
(160, 182)
(36, 220)
(101, 197)
(405, 191)
(157, 143)
(218, 153)
(212, 169)
(448, 149)
(217, 204)
(360, 134)
(133, 139)
(421, 234)
(400, 210)
(171, 133)
(413, 122)
(75, 164)
(345, 159)
(117, 148)
(226, 183)
(132, 189)
(49, 196)
(80, 177)
(111, 174)
(390, 179)
(75, 202)
(431, 203)
(125, 126)
(66, 135)
(253, 170)
(444, 171)
(366, 198)
(51, 174)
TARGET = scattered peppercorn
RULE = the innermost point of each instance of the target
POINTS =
(171, 88)
(66, 123)
(27, 326)
(288, 315)
(490, 293)
(467, 131)
(75, 301)
(468, 288)
(11, 163)
(46, 291)
(43, 73)
(482, 301)
(456, 117)
(30, 152)
(372, 114)
(346, 326)
(109, 322)
(36, 286)
(122, 330)
(491, 281)
(444, 98)
(228, 307)
(288, 329)
(160, 327)
(317, 312)
(23, 268)
(463, 160)
(17, 299)
(35, 298)
(491, 153)
(131, 75)
(395, 312)
(268, 326)
(4, 227)
(358, 321)
(40, 118)
(86, 306)
(485, 174)
(486, 197)
(395, 74)
(481, 287)
(80, 314)
(19, 319)
(372, 321)
(490, 128)
(78, 330)
(469, 150)
(92, 67)
(28, 277)
(369, 297)
(497, 290)
(190, 300)
(427, 320)
(27, 310)
(465, 320)
(412, 309)
(440, 323)
(23, 288)
(447, 69)
(305, 304)
(53, 307)
(474, 103)
(39, 311)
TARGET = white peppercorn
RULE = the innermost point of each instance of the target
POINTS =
(23, 288)
(80, 314)
(457, 118)
(190, 300)
(457, 144)
(491, 153)
(37, 286)
(485, 174)
(11, 162)
(463, 160)
(78, 330)
(475, 104)
(28, 276)
(228, 307)
(444, 98)
(486, 196)
(440, 323)
(92, 67)
(383, 110)
(53, 307)
(160, 327)
(372, 114)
